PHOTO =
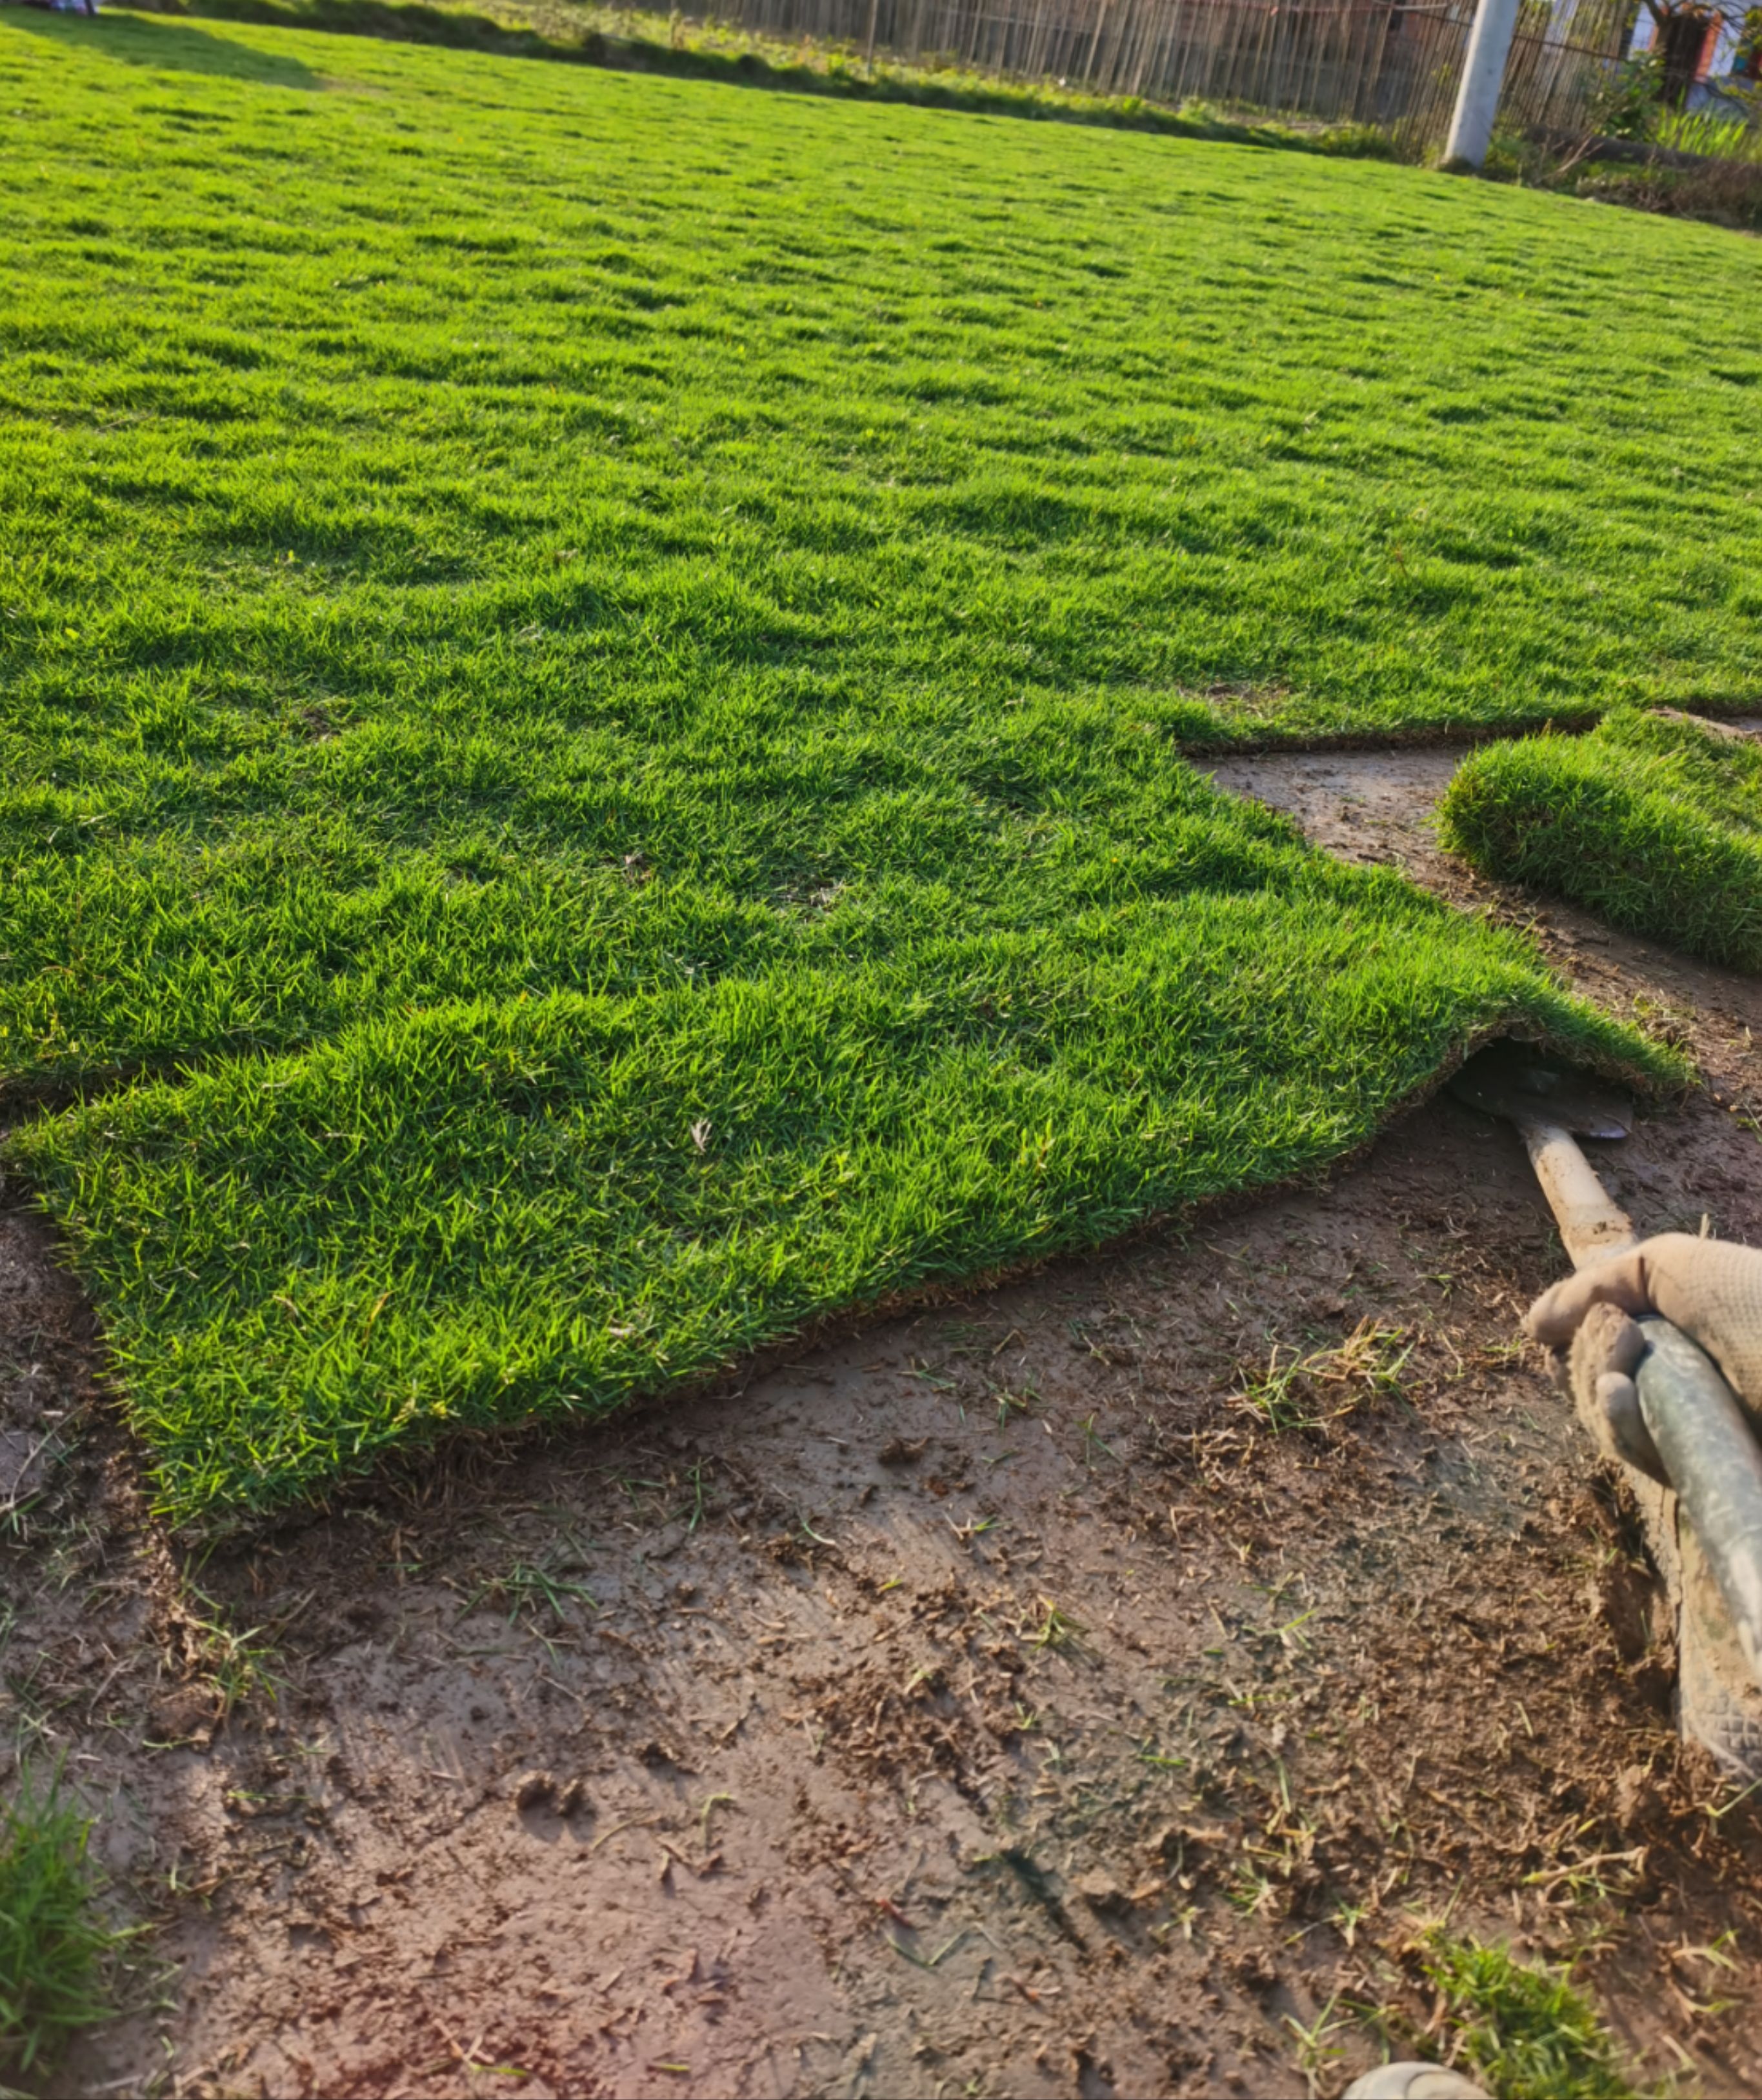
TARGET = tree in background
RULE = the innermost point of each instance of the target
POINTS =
(1684, 35)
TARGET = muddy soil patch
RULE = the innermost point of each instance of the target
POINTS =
(1085, 1688)
(1002, 1700)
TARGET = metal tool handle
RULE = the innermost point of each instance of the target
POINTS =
(1711, 1453)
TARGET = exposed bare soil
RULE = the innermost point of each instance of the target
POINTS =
(997, 1702)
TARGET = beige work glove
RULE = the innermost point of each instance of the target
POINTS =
(1710, 1289)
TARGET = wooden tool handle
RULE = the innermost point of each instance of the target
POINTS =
(1592, 1226)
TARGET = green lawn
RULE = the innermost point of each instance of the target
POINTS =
(595, 670)
(1653, 822)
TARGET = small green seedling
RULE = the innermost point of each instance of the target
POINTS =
(1054, 1629)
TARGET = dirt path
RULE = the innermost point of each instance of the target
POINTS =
(1014, 1700)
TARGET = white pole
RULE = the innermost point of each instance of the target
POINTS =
(1483, 75)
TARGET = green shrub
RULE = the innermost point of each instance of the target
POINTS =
(1654, 822)
(1630, 99)
(1725, 192)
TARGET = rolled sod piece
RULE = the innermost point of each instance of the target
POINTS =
(1653, 822)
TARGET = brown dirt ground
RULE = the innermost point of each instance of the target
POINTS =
(988, 1703)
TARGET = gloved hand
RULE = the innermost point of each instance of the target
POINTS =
(1711, 1288)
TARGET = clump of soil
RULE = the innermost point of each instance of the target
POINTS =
(1081, 1687)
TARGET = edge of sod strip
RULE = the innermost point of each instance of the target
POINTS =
(478, 1215)
(1653, 822)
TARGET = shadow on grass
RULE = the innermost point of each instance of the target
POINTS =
(173, 47)
(462, 28)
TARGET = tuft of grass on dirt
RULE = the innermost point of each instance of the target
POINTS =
(52, 1944)
(1523, 2031)
(1309, 1391)
(1654, 821)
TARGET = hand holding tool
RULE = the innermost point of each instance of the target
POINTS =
(1700, 1432)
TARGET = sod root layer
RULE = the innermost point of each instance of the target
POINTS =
(1034, 1696)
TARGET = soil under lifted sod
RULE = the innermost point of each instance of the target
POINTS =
(594, 670)
(1654, 821)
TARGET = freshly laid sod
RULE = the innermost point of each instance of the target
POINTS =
(1655, 822)
(595, 672)
(465, 1214)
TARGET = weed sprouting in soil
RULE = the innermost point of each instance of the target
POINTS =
(523, 1585)
(233, 1666)
(1012, 1403)
(1053, 1628)
(52, 1941)
(1317, 2051)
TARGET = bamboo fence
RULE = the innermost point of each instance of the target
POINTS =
(1376, 62)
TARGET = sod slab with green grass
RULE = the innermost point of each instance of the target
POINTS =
(465, 1215)
(597, 669)
(1654, 822)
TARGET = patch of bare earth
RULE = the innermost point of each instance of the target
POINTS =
(1044, 1695)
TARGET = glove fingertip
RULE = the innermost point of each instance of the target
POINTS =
(1543, 1322)
(1615, 1391)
